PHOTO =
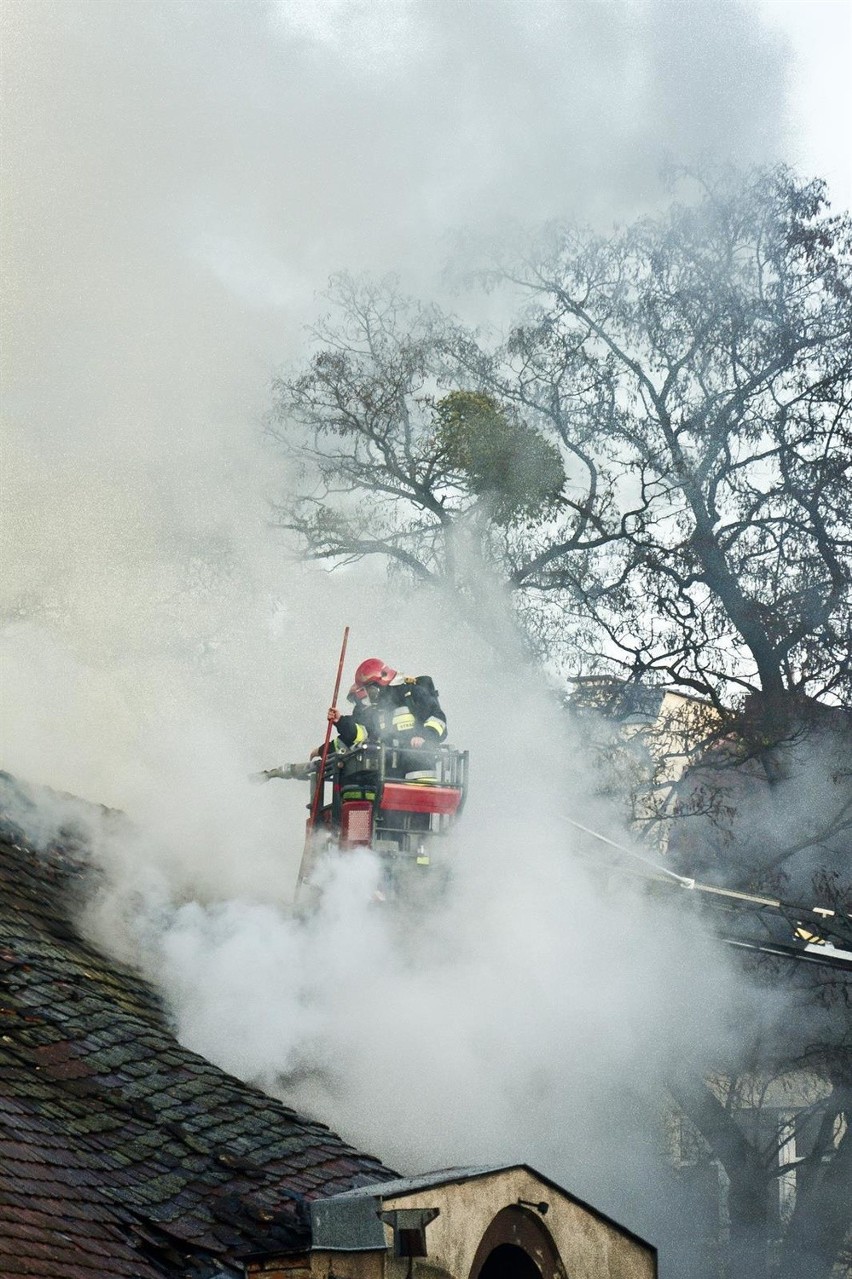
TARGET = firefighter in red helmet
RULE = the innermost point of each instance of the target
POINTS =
(399, 710)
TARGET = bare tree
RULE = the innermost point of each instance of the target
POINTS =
(400, 454)
(787, 1178)
(697, 371)
(685, 386)
(358, 424)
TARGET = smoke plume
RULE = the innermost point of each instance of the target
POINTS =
(180, 179)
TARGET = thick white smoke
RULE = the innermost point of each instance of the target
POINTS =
(180, 179)
(529, 1011)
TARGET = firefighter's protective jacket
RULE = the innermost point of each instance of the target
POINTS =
(407, 708)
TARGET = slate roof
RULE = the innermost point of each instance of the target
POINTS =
(121, 1153)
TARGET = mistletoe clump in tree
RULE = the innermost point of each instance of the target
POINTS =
(394, 457)
(500, 457)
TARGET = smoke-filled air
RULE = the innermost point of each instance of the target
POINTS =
(182, 180)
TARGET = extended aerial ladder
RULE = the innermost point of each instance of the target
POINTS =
(748, 921)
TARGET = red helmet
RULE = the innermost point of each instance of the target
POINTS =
(374, 671)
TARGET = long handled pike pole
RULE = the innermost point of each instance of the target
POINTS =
(309, 831)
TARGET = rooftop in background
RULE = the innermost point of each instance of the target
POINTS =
(621, 701)
(121, 1152)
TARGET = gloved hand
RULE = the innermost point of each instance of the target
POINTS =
(418, 741)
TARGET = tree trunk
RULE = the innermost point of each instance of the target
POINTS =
(748, 1199)
(749, 1218)
(822, 1214)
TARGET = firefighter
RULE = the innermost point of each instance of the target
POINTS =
(400, 711)
(397, 710)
